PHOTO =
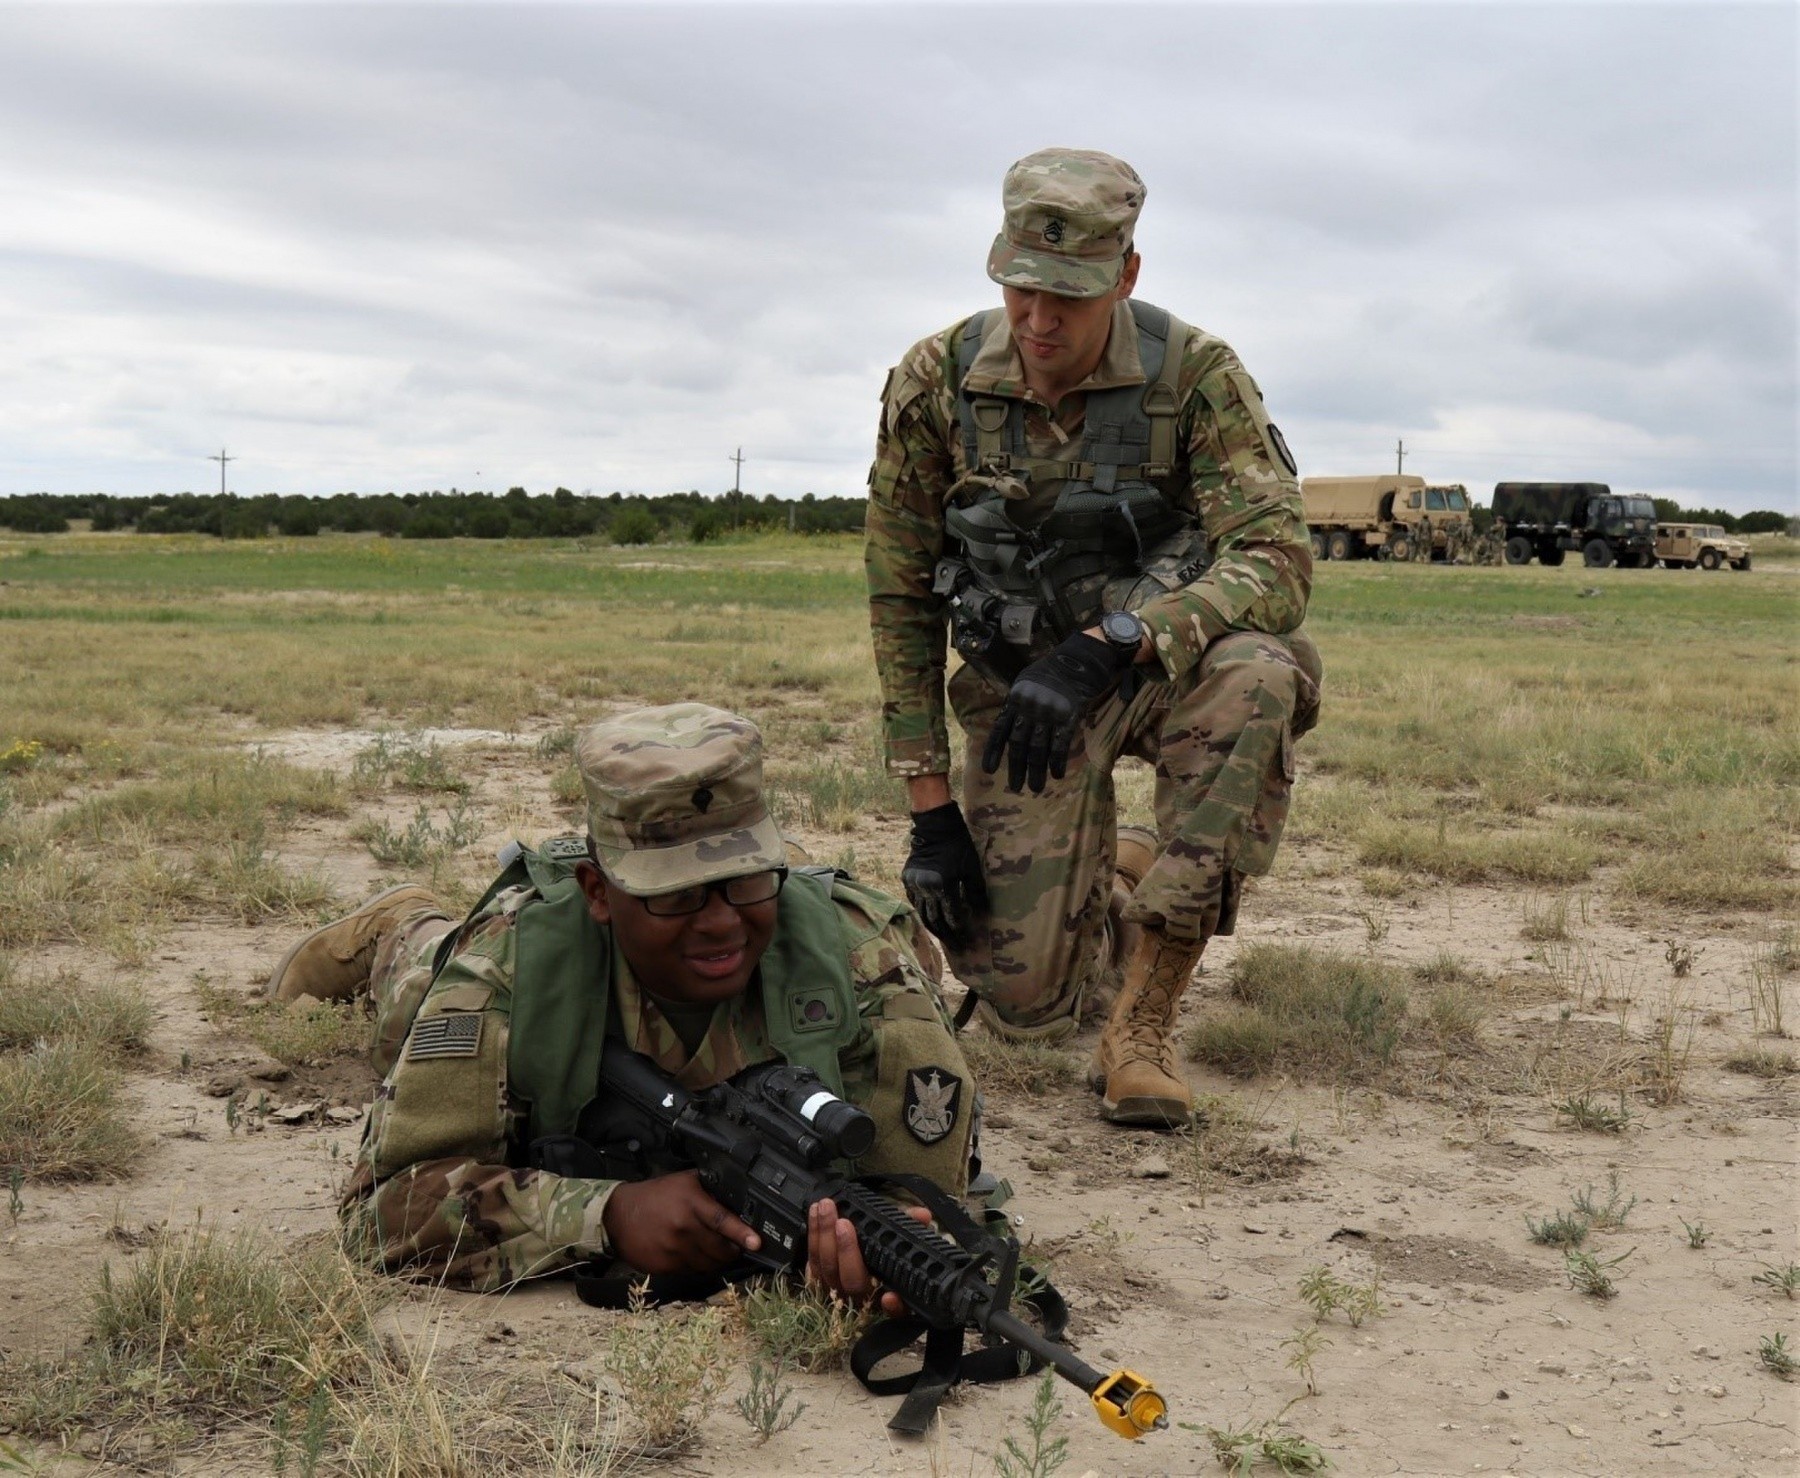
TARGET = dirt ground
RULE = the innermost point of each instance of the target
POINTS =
(1484, 1359)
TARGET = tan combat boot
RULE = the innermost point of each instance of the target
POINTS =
(333, 963)
(1136, 1067)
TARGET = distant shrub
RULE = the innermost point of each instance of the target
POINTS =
(634, 526)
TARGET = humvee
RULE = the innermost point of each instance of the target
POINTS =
(1681, 546)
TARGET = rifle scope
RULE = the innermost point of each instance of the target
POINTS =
(845, 1128)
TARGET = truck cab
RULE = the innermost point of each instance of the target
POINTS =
(1684, 546)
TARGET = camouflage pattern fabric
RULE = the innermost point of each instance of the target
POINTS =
(1221, 740)
(1070, 214)
(1240, 486)
(675, 797)
(464, 1211)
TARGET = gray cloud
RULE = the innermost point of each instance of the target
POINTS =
(603, 246)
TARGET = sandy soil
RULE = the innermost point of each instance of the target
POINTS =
(1484, 1360)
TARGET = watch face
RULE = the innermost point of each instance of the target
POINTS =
(1122, 627)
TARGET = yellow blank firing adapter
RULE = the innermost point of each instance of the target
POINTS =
(1130, 1405)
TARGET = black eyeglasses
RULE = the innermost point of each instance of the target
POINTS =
(740, 891)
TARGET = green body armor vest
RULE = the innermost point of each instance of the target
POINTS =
(563, 983)
(1040, 547)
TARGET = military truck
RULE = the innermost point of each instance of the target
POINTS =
(1548, 519)
(1681, 546)
(1390, 517)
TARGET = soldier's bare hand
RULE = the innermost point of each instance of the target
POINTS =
(834, 1257)
(671, 1225)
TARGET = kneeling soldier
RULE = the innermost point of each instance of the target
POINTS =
(677, 928)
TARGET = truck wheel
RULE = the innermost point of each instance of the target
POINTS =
(1709, 559)
(1596, 554)
(1741, 564)
(1338, 546)
(1398, 548)
(1518, 550)
(1318, 546)
(1551, 555)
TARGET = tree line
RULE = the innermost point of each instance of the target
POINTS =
(624, 518)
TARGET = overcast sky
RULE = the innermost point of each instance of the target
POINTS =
(396, 247)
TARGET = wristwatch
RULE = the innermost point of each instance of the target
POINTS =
(1124, 633)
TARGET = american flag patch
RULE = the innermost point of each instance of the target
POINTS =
(455, 1035)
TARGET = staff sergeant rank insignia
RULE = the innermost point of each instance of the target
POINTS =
(1053, 230)
(931, 1103)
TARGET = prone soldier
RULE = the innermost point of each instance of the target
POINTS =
(676, 927)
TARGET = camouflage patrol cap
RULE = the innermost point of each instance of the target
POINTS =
(1070, 215)
(675, 797)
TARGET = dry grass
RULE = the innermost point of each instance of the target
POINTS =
(295, 1032)
(206, 1332)
(61, 1113)
(1027, 1068)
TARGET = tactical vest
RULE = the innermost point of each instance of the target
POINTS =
(1042, 547)
(562, 986)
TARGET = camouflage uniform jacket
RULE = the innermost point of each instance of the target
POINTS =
(465, 1209)
(1240, 487)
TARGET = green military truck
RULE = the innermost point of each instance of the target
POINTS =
(1548, 519)
(1388, 517)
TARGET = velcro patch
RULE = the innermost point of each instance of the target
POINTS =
(814, 1011)
(932, 1095)
(455, 1035)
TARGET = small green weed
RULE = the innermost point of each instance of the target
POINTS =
(1324, 1291)
(1609, 1215)
(766, 1405)
(1239, 1450)
(408, 760)
(1303, 1344)
(1588, 1274)
(1588, 1112)
(1786, 1280)
(422, 843)
(668, 1365)
(1697, 1233)
(1045, 1454)
(1562, 1230)
(799, 1327)
(1777, 1357)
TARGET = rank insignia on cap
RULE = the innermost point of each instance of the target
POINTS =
(932, 1096)
(1053, 230)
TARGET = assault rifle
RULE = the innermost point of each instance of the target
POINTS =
(764, 1144)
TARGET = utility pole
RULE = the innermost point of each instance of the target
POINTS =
(737, 491)
(221, 459)
(1399, 457)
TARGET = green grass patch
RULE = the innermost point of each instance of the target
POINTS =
(61, 1114)
(113, 1017)
(1300, 1008)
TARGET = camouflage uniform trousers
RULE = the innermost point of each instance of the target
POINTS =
(1221, 741)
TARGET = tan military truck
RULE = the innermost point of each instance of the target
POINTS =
(1682, 546)
(1390, 517)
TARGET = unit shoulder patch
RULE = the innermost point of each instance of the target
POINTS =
(933, 1097)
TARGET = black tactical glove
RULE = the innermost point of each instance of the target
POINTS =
(1045, 704)
(942, 876)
